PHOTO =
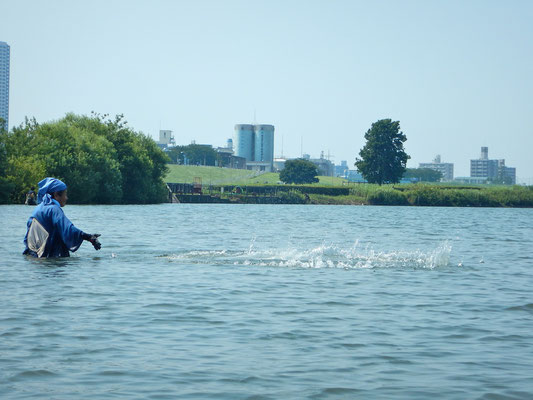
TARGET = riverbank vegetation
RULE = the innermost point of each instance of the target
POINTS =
(103, 161)
(244, 186)
(434, 195)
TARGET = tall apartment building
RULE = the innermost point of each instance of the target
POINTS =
(256, 144)
(4, 83)
(483, 167)
(491, 169)
(446, 169)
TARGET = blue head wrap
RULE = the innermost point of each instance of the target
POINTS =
(48, 186)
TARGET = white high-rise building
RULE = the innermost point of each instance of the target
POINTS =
(4, 83)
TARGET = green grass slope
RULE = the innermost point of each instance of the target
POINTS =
(209, 175)
(228, 176)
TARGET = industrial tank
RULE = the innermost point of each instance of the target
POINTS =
(243, 141)
(264, 143)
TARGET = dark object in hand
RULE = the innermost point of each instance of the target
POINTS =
(93, 239)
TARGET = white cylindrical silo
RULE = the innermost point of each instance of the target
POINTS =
(243, 141)
(264, 143)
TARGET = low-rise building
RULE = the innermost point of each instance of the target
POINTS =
(324, 166)
(260, 166)
(227, 159)
(354, 176)
(471, 180)
(341, 170)
(446, 169)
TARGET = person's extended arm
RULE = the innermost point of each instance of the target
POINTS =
(72, 236)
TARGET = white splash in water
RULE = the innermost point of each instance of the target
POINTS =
(323, 256)
(252, 243)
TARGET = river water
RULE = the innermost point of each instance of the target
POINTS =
(197, 301)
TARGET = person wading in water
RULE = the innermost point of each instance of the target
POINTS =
(30, 197)
(50, 233)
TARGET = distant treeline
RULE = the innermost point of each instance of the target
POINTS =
(101, 160)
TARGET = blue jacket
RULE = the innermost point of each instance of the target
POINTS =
(63, 235)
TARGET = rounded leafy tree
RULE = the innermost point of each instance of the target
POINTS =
(299, 171)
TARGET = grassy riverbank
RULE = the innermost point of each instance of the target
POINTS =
(229, 176)
(241, 186)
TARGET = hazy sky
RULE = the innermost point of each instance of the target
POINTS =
(456, 74)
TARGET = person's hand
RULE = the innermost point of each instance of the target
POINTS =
(94, 240)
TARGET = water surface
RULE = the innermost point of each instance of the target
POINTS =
(269, 301)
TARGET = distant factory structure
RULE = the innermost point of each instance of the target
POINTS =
(325, 167)
(446, 169)
(255, 143)
(228, 159)
(166, 139)
(486, 169)
(342, 170)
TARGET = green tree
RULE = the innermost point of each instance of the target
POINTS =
(18, 168)
(423, 174)
(175, 154)
(193, 154)
(74, 154)
(299, 171)
(6, 186)
(142, 164)
(102, 161)
(383, 159)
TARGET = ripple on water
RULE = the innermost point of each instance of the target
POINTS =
(33, 374)
(526, 307)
